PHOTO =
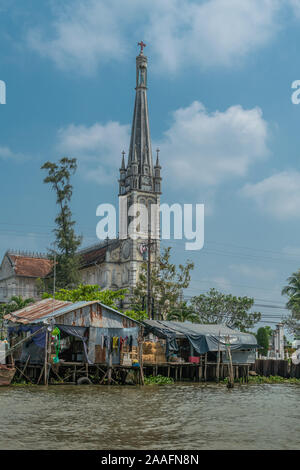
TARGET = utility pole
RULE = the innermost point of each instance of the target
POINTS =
(149, 274)
(47, 364)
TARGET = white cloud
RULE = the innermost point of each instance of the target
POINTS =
(86, 34)
(199, 147)
(97, 148)
(210, 33)
(278, 195)
(207, 148)
(254, 272)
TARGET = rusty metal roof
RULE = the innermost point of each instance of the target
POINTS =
(47, 308)
(70, 307)
(36, 311)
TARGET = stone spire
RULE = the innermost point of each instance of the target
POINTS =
(140, 172)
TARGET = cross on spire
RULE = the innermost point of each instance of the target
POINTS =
(142, 45)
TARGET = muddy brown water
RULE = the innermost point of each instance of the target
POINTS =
(181, 416)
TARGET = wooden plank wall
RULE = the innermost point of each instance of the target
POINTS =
(267, 367)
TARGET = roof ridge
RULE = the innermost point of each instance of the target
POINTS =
(27, 254)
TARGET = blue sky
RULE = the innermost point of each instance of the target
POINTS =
(220, 75)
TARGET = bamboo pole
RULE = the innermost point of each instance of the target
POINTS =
(231, 378)
(109, 366)
(141, 336)
(46, 359)
(205, 367)
(218, 361)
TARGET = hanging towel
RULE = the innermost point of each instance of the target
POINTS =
(115, 342)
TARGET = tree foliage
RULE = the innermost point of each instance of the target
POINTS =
(216, 307)
(269, 331)
(67, 242)
(167, 282)
(93, 292)
(183, 312)
(15, 303)
(292, 291)
(262, 337)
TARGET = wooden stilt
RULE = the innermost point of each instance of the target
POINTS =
(109, 367)
(218, 360)
(46, 358)
(230, 366)
(140, 346)
(40, 376)
(205, 367)
(200, 368)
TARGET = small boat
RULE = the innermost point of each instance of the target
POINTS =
(6, 374)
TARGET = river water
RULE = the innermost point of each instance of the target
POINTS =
(170, 417)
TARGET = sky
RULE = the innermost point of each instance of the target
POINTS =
(220, 76)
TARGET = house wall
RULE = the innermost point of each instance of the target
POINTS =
(241, 357)
(101, 322)
(23, 286)
(98, 354)
(11, 284)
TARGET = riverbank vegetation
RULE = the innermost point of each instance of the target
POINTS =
(158, 380)
(271, 379)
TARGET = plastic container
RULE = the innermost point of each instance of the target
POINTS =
(194, 359)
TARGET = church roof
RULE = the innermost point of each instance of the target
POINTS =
(140, 143)
(95, 254)
(139, 173)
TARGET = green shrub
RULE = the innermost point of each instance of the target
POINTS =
(158, 380)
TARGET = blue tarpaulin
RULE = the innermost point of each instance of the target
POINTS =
(39, 339)
(203, 338)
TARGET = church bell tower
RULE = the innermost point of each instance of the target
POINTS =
(140, 181)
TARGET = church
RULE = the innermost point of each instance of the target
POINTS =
(113, 263)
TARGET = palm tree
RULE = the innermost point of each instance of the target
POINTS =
(183, 312)
(292, 290)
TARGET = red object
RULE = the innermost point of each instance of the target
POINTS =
(142, 44)
(194, 359)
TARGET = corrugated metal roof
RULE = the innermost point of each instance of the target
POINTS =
(81, 304)
(70, 308)
(37, 311)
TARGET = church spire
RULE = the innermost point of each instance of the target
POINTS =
(140, 171)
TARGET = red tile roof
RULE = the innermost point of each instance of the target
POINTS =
(29, 266)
